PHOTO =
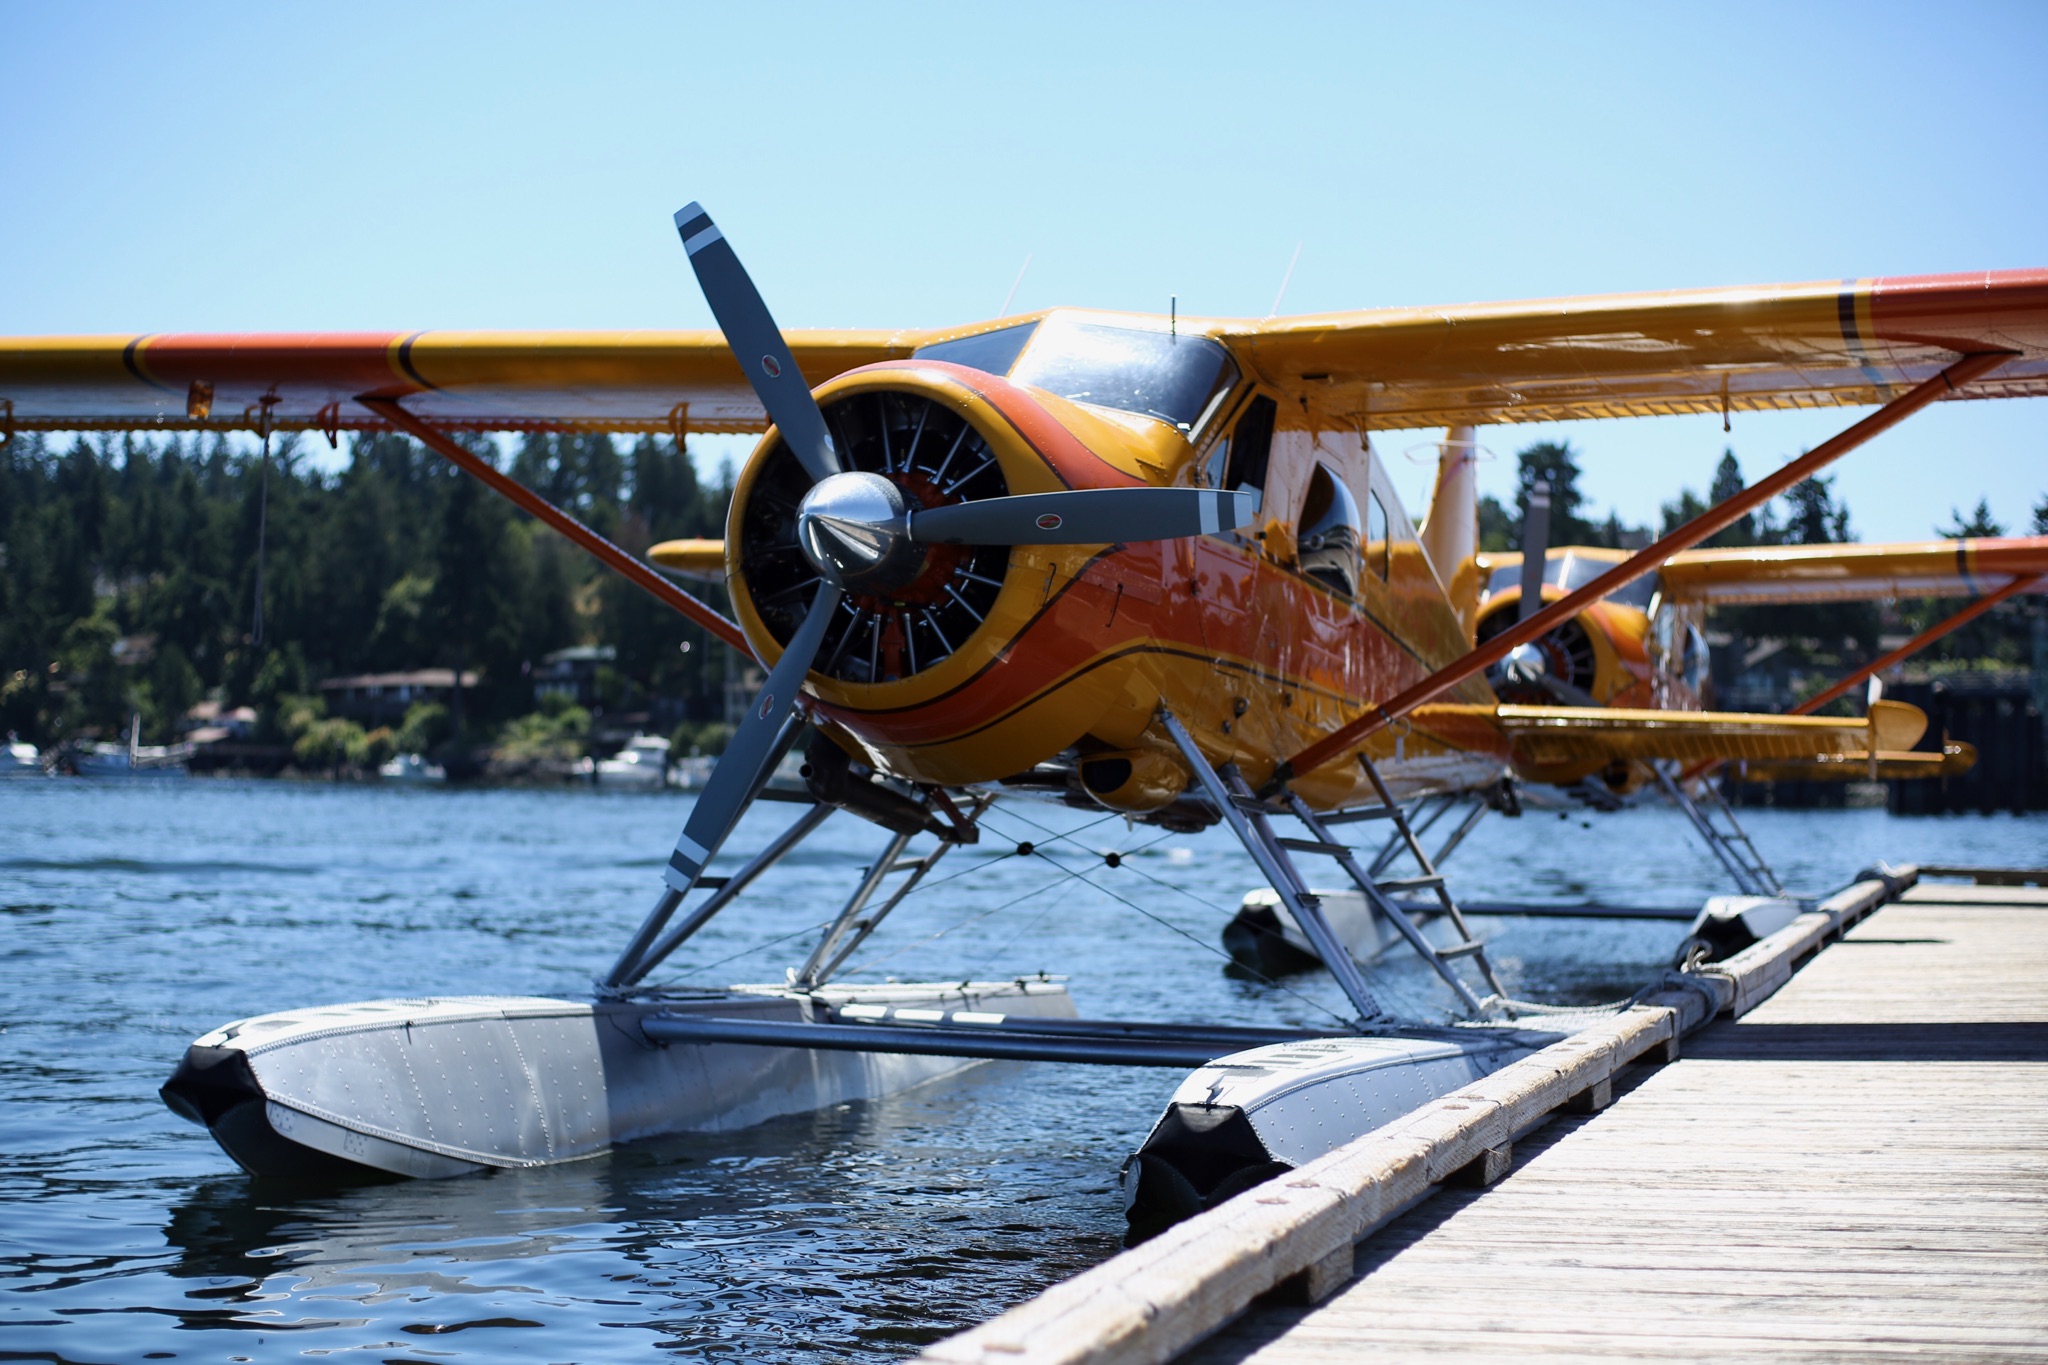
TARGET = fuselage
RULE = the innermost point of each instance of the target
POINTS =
(985, 663)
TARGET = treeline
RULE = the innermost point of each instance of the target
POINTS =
(129, 572)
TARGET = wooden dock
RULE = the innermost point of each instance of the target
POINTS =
(1853, 1166)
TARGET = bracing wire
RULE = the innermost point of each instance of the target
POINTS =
(1313, 1004)
(686, 973)
(262, 532)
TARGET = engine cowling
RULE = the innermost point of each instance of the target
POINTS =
(1599, 657)
(922, 604)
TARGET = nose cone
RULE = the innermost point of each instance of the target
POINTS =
(851, 526)
(1525, 664)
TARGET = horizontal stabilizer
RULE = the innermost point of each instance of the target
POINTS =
(703, 559)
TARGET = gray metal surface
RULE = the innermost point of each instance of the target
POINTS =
(1085, 516)
(1305, 1098)
(435, 1087)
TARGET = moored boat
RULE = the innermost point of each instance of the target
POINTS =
(643, 763)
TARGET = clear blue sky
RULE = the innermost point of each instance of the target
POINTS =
(242, 167)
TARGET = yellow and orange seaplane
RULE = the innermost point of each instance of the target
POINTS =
(1152, 564)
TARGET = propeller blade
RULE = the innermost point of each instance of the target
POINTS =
(756, 342)
(744, 764)
(1085, 516)
(1535, 549)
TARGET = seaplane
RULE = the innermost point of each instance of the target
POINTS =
(1149, 565)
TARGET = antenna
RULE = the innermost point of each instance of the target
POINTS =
(1285, 280)
(1005, 310)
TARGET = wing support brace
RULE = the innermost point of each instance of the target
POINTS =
(630, 567)
(1347, 737)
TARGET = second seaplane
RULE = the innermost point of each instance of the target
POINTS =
(1148, 565)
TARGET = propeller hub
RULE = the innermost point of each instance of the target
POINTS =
(853, 528)
(1526, 664)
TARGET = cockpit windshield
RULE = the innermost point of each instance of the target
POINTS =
(990, 352)
(1173, 378)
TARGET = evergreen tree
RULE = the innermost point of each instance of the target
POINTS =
(1554, 463)
(396, 561)
(1497, 531)
(1816, 518)
(1979, 523)
(1727, 483)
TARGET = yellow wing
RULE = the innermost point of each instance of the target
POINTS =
(1836, 573)
(1638, 355)
(481, 381)
(1562, 744)
(1780, 346)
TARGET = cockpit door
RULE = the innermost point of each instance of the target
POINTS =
(1240, 457)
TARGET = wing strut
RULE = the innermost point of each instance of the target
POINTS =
(635, 570)
(1715, 518)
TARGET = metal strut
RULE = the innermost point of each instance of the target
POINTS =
(1246, 816)
(632, 967)
(836, 947)
(1378, 893)
(1753, 876)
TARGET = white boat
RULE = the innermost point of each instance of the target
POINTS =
(411, 768)
(18, 758)
(132, 760)
(642, 763)
(690, 773)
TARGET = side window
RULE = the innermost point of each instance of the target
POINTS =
(1330, 533)
(1250, 446)
(1376, 535)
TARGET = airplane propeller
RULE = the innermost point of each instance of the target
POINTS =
(1529, 667)
(856, 528)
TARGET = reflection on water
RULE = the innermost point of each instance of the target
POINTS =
(133, 918)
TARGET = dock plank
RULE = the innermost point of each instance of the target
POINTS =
(1856, 1170)
(1963, 893)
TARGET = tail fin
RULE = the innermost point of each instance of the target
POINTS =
(1450, 532)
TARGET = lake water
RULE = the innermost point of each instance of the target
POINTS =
(134, 917)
